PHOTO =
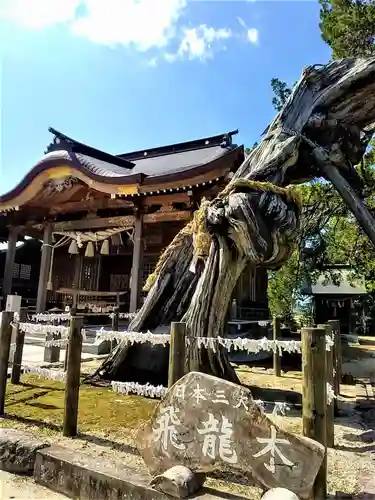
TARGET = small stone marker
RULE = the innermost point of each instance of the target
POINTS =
(279, 494)
(178, 482)
(206, 423)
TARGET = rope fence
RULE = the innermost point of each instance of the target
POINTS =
(317, 347)
(237, 344)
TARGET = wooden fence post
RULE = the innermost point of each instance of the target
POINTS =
(177, 353)
(276, 353)
(330, 417)
(115, 324)
(19, 340)
(5, 340)
(52, 354)
(314, 397)
(73, 377)
(115, 319)
(337, 354)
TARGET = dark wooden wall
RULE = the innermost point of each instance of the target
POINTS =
(26, 269)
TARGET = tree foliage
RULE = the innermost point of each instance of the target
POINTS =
(348, 26)
(281, 91)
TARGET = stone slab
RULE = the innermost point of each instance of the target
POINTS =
(80, 475)
(18, 451)
(206, 424)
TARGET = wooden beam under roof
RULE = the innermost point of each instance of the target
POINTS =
(162, 215)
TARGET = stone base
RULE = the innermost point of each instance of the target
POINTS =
(18, 451)
(79, 475)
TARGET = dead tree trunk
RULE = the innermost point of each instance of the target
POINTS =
(319, 132)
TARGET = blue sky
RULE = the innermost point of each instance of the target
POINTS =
(123, 75)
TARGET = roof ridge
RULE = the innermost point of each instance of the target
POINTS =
(90, 151)
(223, 140)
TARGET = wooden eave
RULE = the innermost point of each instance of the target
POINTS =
(60, 165)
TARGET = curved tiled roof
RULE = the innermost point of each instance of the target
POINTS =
(158, 165)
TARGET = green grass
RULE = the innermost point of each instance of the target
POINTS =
(40, 402)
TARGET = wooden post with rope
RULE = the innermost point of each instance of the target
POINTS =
(19, 340)
(330, 417)
(115, 324)
(5, 340)
(73, 372)
(314, 397)
(276, 353)
(177, 353)
(337, 354)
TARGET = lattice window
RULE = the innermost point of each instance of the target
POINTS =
(16, 270)
(22, 271)
(25, 271)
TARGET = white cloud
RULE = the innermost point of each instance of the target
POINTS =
(39, 14)
(143, 24)
(200, 43)
(252, 34)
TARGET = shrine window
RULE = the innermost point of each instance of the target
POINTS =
(22, 271)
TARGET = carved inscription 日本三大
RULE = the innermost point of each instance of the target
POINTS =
(239, 398)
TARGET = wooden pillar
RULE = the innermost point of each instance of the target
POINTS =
(44, 269)
(5, 340)
(137, 265)
(78, 261)
(19, 340)
(73, 377)
(337, 353)
(330, 412)
(176, 353)
(314, 397)
(9, 262)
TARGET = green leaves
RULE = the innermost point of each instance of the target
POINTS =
(281, 91)
(348, 26)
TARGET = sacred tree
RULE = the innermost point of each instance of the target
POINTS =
(322, 131)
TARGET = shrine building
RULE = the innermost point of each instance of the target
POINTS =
(100, 221)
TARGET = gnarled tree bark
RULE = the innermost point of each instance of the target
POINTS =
(319, 132)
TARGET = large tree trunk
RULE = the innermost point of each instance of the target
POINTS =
(255, 219)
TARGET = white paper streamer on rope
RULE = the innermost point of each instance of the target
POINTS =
(133, 337)
(243, 344)
(44, 329)
(251, 345)
(124, 315)
(57, 375)
(142, 390)
(329, 342)
(63, 342)
(330, 394)
(280, 408)
(51, 317)
(260, 404)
